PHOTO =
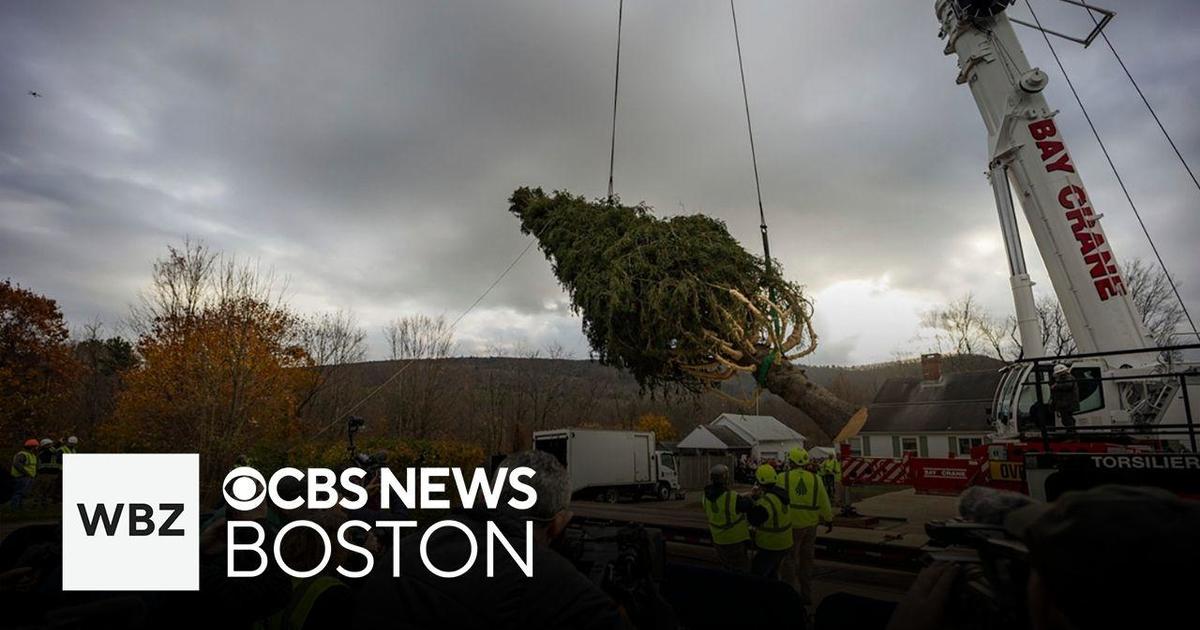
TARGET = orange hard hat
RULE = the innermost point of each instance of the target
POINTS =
(31, 443)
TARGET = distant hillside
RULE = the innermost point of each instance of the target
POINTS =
(499, 401)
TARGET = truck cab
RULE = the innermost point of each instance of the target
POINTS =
(667, 475)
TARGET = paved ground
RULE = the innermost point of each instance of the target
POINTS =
(915, 510)
(829, 577)
(902, 527)
(900, 518)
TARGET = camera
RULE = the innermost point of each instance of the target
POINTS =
(370, 462)
(354, 424)
(627, 562)
(991, 592)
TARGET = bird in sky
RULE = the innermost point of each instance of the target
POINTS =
(35, 94)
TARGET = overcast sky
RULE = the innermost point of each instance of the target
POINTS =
(366, 149)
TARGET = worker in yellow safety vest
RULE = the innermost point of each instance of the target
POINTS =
(726, 511)
(831, 473)
(809, 505)
(772, 523)
(303, 610)
(24, 470)
(49, 460)
(318, 601)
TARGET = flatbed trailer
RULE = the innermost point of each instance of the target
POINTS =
(879, 549)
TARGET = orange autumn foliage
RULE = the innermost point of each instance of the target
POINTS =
(660, 424)
(36, 366)
(216, 381)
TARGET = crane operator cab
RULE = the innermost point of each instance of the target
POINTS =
(1135, 401)
(1024, 400)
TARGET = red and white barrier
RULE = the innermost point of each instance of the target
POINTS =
(875, 470)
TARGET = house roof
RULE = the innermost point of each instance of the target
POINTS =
(728, 437)
(756, 429)
(707, 437)
(958, 402)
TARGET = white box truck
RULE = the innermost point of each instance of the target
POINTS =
(607, 465)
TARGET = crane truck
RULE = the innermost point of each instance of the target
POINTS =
(1135, 420)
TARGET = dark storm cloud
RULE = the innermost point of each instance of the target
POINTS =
(366, 150)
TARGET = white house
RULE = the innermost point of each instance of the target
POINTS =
(762, 438)
(939, 415)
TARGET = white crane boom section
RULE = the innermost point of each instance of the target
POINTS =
(1024, 143)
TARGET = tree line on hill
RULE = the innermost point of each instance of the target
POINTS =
(220, 364)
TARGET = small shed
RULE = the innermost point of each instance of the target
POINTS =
(760, 438)
(707, 438)
(705, 447)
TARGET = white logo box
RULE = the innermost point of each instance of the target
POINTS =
(121, 562)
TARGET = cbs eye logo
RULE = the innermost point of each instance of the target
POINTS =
(244, 489)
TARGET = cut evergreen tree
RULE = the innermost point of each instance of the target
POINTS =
(678, 301)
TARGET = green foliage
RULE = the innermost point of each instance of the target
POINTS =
(399, 453)
(654, 293)
(107, 357)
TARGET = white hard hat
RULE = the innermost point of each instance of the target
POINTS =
(46, 442)
(72, 440)
(719, 473)
(1061, 368)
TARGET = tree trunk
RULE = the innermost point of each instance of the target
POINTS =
(792, 385)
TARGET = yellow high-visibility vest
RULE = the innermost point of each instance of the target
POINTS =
(28, 467)
(776, 533)
(304, 595)
(55, 462)
(727, 525)
(831, 467)
(808, 502)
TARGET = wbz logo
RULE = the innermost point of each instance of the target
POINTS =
(131, 522)
(141, 519)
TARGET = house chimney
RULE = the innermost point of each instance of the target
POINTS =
(931, 367)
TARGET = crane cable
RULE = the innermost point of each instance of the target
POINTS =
(454, 324)
(760, 375)
(1113, 166)
(762, 218)
(612, 147)
(445, 336)
(1145, 100)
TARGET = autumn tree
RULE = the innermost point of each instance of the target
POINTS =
(1155, 300)
(182, 285)
(958, 326)
(37, 368)
(1152, 296)
(851, 390)
(417, 395)
(1056, 334)
(678, 302)
(332, 342)
(545, 391)
(660, 424)
(218, 350)
(963, 326)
